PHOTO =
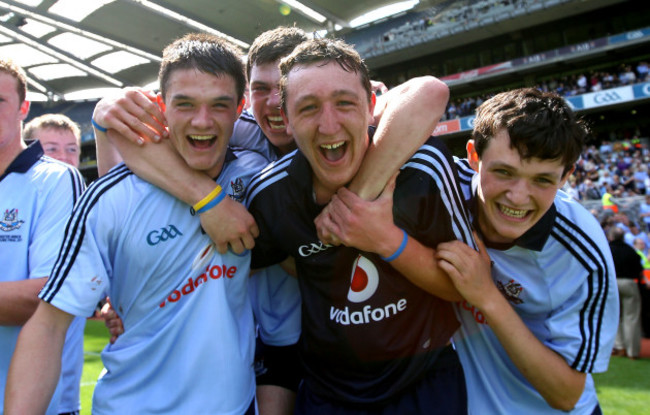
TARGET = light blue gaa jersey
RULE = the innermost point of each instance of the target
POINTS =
(560, 279)
(36, 197)
(189, 337)
(275, 295)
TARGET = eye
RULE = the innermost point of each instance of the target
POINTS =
(544, 181)
(260, 88)
(502, 172)
(184, 104)
(307, 108)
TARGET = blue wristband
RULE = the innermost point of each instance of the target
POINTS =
(399, 250)
(214, 202)
(97, 126)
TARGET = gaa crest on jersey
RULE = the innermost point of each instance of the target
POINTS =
(363, 281)
(238, 190)
(10, 221)
(511, 290)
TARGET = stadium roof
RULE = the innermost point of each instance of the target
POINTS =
(70, 46)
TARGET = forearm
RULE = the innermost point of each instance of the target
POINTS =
(36, 363)
(548, 372)
(18, 300)
(410, 114)
(161, 166)
(417, 263)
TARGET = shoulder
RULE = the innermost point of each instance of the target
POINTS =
(272, 175)
(48, 171)
(578, 232)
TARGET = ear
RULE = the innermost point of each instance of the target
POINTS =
(161, 102)
(286, 121)
(24, 110)
(567, 175)
(373, 102)
(472, 155)
(240, 107)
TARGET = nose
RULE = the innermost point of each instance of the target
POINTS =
(328, 123)
(519, 192)
(202, 118)
(274, 98)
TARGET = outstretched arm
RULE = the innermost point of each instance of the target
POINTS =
(559, 384)
(369, 226)
(36, 363)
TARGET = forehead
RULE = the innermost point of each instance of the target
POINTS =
(193, 83)
(58, 135)
(322, 79)
(265, 72)
(8, 84)
(499, 152)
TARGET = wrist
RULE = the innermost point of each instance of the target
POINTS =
(397, 252)
(211, 200)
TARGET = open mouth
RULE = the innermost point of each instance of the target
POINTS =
(276, 123)
(513, 213)
(333, 152)
(201, 141)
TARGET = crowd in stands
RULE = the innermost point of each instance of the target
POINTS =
(567, 86)
(619, 168)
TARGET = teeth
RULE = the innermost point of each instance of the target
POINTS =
(332, 146)
(516, 213)
(201, 137)
(275, 119)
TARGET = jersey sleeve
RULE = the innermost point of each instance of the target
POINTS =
(82, 272)
(428, 201)
(58, 196)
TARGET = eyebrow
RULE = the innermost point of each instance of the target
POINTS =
(336, 94)
(182, 97)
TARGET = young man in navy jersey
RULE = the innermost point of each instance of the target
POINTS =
(37, 194)
(372, 341)
(147, 250)
(537, 322)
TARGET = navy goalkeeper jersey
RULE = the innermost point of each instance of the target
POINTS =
(367, 332)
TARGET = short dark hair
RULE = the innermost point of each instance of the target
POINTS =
(540, 125)
(273, 45)
(8, 66)
(324, 51)
(204, 52)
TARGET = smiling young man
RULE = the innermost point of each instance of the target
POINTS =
(372, 342)
(542, 316)
(147, 250)
(59, 136)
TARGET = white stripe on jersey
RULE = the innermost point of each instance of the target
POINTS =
(75, 229)
(431, 161)
(587, 252)
(269, 175)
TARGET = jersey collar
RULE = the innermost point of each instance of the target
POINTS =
(534, 239)
(26, 159)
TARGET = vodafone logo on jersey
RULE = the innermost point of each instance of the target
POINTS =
(364, 281)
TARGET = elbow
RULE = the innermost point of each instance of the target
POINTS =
(565, 401)
(565, 405)
(433, 88)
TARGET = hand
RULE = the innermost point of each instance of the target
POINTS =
(134, 113)
(378, 87)
(229, 223)
(365, 225)
(468, 269)
(112, 321)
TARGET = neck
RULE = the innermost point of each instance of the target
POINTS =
(9, 153)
